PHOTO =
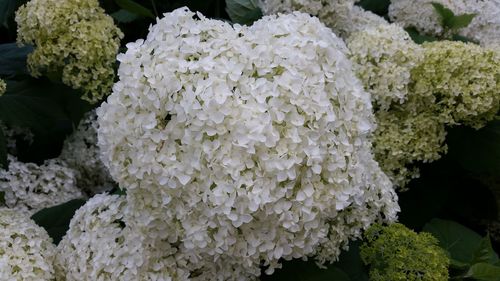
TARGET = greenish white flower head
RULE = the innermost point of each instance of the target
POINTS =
(81, 153)
(342, 16)
(459, 82)
(418, 90)
(29, 187)
(26, 250)
(484, 28)
(383, 58)
(244, 144)
(72, 38)
(397, 253)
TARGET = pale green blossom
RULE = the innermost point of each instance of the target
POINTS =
(74, 39)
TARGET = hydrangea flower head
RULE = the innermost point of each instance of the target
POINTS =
(100, 246)
(459, 81)
(29, 187)
(27, 252)
(342, 16)
(248, 144)
(72, 38)
(397, 253)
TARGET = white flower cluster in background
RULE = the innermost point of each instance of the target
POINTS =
(29, 187)
(484, 28)
(342, 16)
(241, 145)
(81, 153)
(26, 250)
(99, 246)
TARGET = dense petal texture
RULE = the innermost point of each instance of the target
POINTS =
(29, 187)
(72, 38)
(26, 250)
(248, 144)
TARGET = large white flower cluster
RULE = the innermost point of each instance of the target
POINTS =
(484, 28)
(342, 16)
(81, 153)
(99, 246)
(29, 187)
(243, 145)
(26, 250)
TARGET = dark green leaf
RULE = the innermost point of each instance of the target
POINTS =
(350, 262)
(135, 8)
(3, 150)
(484, 272)
(124, 16)
(299, 270)
(13, 59)
(444, 13)
(379, 7)
(29, 104)
(461, 242)
(458, 37)
(7, 9)
(243, 11)
(477, 151)
(458, 264)
(485, 252)
(419, 38)
(460, 21)
(2, 198)
(55, 220)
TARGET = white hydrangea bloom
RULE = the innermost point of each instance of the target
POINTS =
(81, 153)
(100, 246)
(383, 57)
(26, 250)
(484, 28)
(342, 16)
(29, 187)
(246, 143)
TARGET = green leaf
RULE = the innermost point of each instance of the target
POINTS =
(458, 37)
(461, 242)
(2, 198)
(7, 9)
(135, 8)
(419, 38)
(124, 16)
(444, 13)
(299, 270)
(350, 262)
(56, 219)
(30, 104)
(460, 21)
(379, 7)
(484, 272)
(13, 59)
(243, 11)
(485, 252)
(3, 151)
(477, 151)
